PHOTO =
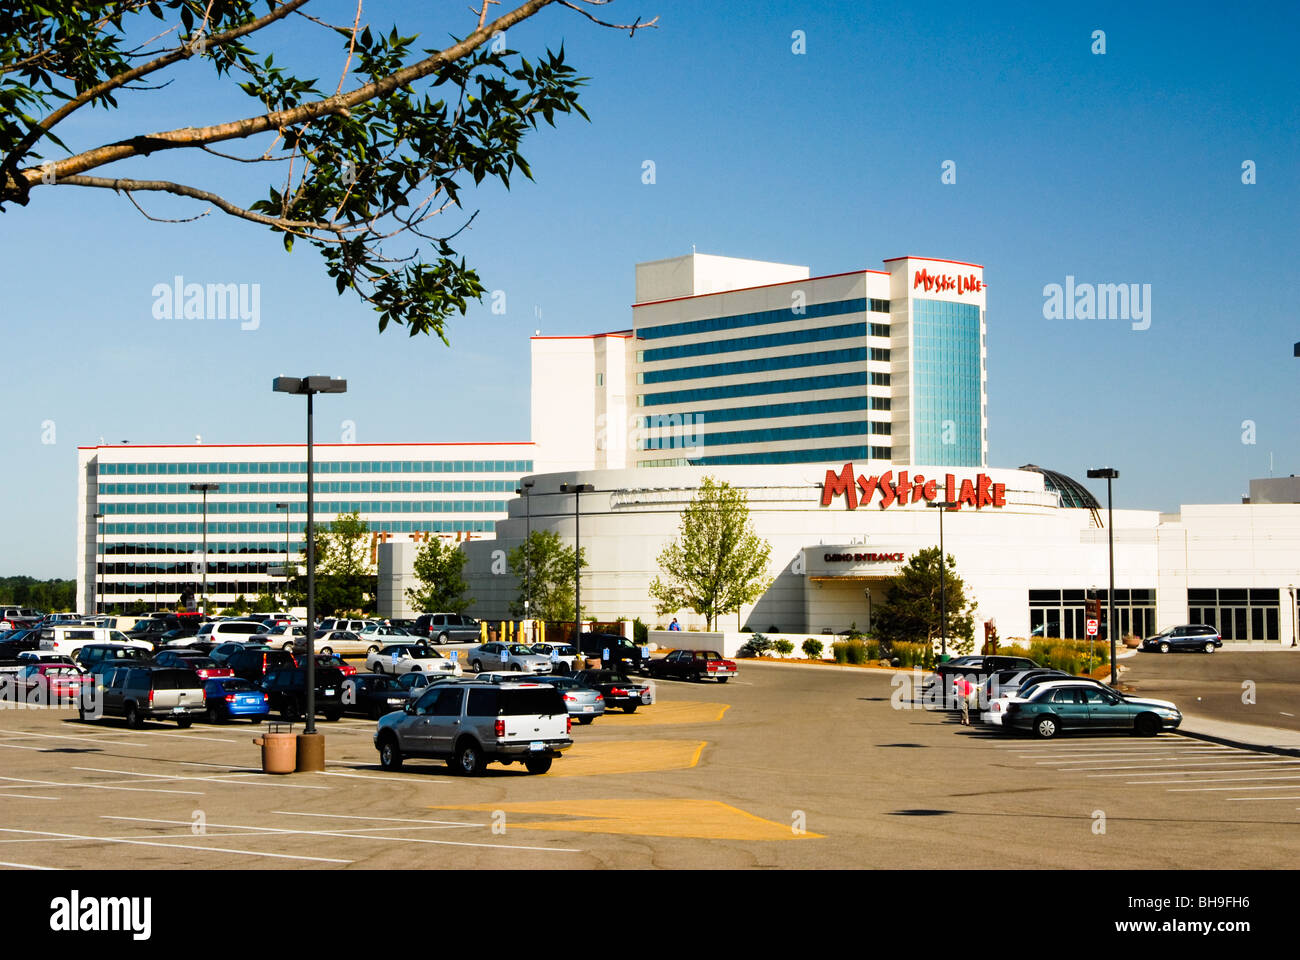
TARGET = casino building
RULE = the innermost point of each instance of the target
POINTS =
(842, 405)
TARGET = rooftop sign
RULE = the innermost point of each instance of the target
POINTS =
(983, 492)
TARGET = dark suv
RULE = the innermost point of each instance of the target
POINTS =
(445, 627)
(255, 664)
(286, 691)
(1192, 636)
(616, 652)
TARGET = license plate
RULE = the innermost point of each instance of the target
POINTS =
(588, 709)
(537, 745)
(178, 709)
(329, 693)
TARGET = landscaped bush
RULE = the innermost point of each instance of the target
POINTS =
(1069, 655)
(783, 647)
(854, 651)
(640, 632)
(913, 654)
(812, 649)
(756, 646)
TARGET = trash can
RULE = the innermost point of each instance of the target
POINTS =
(279, 748)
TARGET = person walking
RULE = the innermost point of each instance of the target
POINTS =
(964, 690)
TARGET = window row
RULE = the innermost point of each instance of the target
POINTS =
(797, 408)
(856, 379)
(767, 434)
(739, 321)
(330, 508)
(760, 365)
(221, 527)
(843, 331)
(321, 466)
(821, 455)
(290, 488)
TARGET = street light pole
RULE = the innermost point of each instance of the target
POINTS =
(577, 489)
(1109, 474)
(310, 757)
(204, 488)
(525, 490)
(943, 506)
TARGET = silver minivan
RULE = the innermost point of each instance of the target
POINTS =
(141, 693)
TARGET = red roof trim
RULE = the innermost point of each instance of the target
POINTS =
(219, 446)
(960, 263)
(761, 286)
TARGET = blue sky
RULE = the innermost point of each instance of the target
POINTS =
(1117, 168)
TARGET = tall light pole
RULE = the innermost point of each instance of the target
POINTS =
(943, 506)
(525, 490)
(311, 755)
(285, 508)
(99, 562)
(204, 488)
(1109, 474)
(577, 489)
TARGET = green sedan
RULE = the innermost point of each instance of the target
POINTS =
(1062, 707)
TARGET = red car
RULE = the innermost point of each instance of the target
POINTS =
(52, 682)
(694, 665)
(334, 660)
(205, 667)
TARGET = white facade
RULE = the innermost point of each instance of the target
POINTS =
(151, 532)
(733, 362)
(830, 564)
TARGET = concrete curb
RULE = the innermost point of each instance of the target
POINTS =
(1239, 735)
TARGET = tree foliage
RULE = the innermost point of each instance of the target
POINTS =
(359, 174)
(48, 596)
(345, 576)
(718, 562)
(911, 610)
(439, 567)
(545, 569)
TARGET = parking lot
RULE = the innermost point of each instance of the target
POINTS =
(785, 766)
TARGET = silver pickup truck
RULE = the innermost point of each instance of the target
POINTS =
(470, 724)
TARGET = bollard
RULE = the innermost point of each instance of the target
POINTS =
(311, 752)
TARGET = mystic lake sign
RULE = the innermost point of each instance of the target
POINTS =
(982, 492)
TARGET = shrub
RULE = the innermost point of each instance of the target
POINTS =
(773, 628)
(756, 646)
(1069, 655)
(851, 651)
(784, 647)
(912, 654)
(812, 649)
(640, 632)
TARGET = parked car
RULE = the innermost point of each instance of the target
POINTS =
(584, 703)
(410, 658)
(1191, 636)
(205, 667)
(343, 642)
(337, 662)
(51, 683)
(141, 693)
(221, 630)
(68, 640)
(232, 698)
(283, 635)
(253, 665)
(507, 656)
(693, 665)
(351, 626)
(1053, 708)
(93, 653)
(618, 689)
(286, 688)
(616, 652)
(997, 706)
(224, 651)
(472, 724)
(414, 684)
(372, 695)
(448, 628)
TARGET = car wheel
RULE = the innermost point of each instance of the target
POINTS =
(415, 670)
(1046, 727)
(631, 708)
(538, 764)
(379, 668)
(372, 649)
(723, 679)
(469, 760)
(1164, 646)
(184, 722)
(333, 715)
(515, 668)
(1209, 646)
(442, 638)
(390, 755)
(374, 711)
(1147, 725)
(327, 651)
(214, 715)
(585, 720)
(289, 711)
(133, 718)
(287, 648)
(478, 667)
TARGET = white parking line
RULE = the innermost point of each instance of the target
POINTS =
(1205, 789)
(175, 846)
(1263, 798)
(347, 816)
(26, 866)
(23, 796)
(1181, 773)
(163, 778)
(362, 776)
(99, 786)
(1210, 780)
(1248, 761)
(359, 836)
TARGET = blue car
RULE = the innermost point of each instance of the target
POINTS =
(230, 697)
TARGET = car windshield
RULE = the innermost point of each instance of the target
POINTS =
(520, 649)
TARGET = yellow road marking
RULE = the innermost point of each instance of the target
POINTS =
(679, 711)
(627, 756)
(687, 818)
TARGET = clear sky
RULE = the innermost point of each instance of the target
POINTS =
(1122, 167)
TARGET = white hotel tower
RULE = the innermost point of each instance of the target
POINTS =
(732, 362)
